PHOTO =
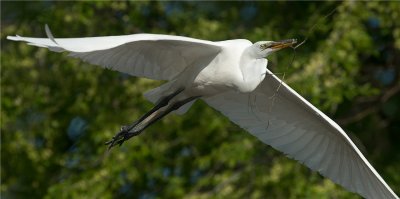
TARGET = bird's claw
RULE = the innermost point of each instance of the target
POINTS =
(124, 128)
(124, 134)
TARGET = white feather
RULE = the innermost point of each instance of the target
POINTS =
(229, 76)
(160, 57)
(304, 133)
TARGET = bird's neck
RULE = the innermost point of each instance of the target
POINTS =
(253, 72)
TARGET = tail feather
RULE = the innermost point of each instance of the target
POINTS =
(154, 95)
(183, 109)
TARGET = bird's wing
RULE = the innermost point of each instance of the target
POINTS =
(154, 56)
(280, 117)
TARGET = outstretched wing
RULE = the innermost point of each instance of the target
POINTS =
(286, 121)
(160, 57)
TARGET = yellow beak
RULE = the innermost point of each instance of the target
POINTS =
(283, 44)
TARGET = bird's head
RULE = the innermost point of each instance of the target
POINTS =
(265, 48)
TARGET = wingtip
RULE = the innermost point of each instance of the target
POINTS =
(14, 38)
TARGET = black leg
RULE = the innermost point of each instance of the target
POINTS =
(151, 118)
(161, 103)
(137, 129)
(125, 129)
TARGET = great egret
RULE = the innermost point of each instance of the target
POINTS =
(230, 76)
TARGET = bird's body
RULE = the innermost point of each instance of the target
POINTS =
(232, 77)
(232, 68)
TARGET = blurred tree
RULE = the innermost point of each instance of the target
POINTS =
(57, 112)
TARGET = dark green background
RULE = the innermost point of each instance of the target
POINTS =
(57, 112)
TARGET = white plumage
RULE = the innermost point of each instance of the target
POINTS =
(231, 76)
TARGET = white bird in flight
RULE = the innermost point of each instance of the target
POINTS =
(232, 77)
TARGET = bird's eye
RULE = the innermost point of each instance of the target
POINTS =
(264, 46)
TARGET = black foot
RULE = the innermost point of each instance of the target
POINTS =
(126, 133)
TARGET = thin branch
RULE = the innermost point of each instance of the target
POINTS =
(365, 112)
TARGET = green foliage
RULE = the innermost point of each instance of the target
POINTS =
(57, 112)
